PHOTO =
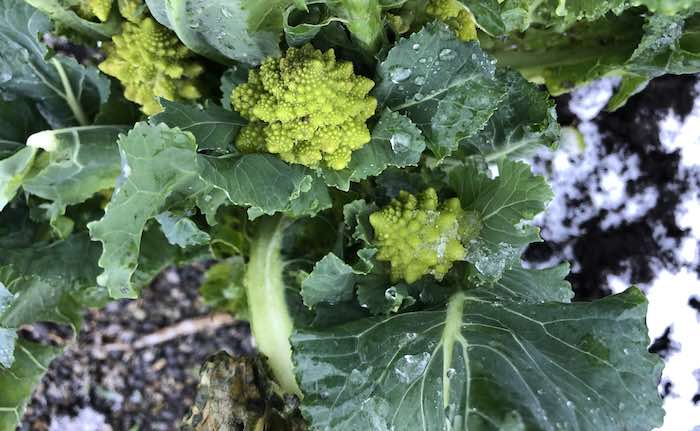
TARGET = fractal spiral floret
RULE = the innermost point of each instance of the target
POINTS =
(151, 62)
(454, 14)
(307, 107)
(418, 236)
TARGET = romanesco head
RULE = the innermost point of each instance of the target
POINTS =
(307, 107)
(418, 236)
(455, 15)
(151, 62)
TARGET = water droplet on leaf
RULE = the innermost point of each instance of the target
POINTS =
(400, 142)
(399, 74)
(447, 54)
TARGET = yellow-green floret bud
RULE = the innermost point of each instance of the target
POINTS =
(151, 62)
(417, 236)
(99, 9)
(132, 10)
(307, 107)
(454, 14)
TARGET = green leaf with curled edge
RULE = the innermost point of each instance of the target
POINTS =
(180, 230)
(331, 281)
(244, 31)
(13, 170)
(213, 127)
(161, 171)
(66, 93)
(525, 122)
(61, 11)
(75, 163)
(485, 365)
(302, 26)
(18, 382)
(396, 141)
(448, 88)
(506, 205)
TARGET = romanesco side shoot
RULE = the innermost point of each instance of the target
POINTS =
(454, 14)
(99, 9)
(132, 10)
(417, 236)
(307, 107)
(151, 62)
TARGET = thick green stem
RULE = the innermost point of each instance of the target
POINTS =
(451, 334)
(270, 321)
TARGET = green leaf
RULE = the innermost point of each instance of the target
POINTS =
(8, 338)
(31, 362)
(532, 285)
(396, 141)
(223, 287)
(52, 282)
(158, 163)
(38, 301)
(374, 295)
(302, 26)
(60, 11)
(8, 148)
(447, 87)
(12, 172)
(181, 230)
(331, 281)
(117, 109)
(506, 205)
(161, 171)
(213, 127)
(309, 203)
(356, 217)
(669, 45)
(247, 31)
(488, 15)
(66, 93)
(487, 366)
(18, 120)
(75, 164)
(524, 122)
(263, 182)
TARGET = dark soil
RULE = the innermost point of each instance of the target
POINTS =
(632, 130)
(150, 389)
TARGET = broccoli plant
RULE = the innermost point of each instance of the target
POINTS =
(359, 171)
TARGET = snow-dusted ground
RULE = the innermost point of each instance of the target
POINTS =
(595, 185)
